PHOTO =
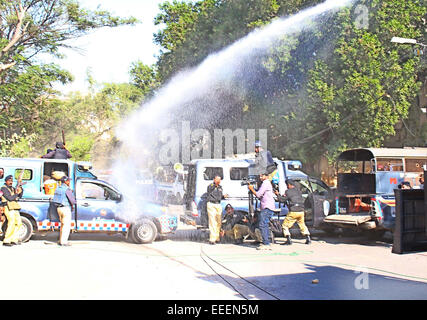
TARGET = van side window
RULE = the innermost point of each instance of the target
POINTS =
(389, 164)
(238, 173)
(209, 173)
(28, 174)
(415, 165)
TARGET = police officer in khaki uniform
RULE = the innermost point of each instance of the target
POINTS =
(235, 226)
(65, 202)
(214, 197)
(10, 198)
(295, 201)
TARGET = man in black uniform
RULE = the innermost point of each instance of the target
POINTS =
(295, 201)
(59, 153)
(263, 160)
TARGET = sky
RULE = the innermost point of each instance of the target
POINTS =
(108, 53)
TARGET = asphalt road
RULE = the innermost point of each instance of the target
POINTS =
(103, 267)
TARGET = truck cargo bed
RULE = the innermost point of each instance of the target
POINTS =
(353, 219)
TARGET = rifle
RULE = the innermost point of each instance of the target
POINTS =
(63, 138)
(19, 182)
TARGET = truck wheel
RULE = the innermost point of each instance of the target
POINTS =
(144, 231)
(24, 233)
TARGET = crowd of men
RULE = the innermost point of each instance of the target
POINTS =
(62, 203)
(235, 226)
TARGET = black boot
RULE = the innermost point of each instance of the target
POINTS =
(288, 240)
(308, 240)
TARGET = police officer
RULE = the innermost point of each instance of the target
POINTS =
(295, 201)
(214, 197)
(11, 207)
(60, 152)
(65, 201)
(236, 225)
(263, 160)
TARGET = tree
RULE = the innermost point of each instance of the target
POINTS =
(359, 93)
(89, 120)
(144, 77)
(27, 29)
(331, 86)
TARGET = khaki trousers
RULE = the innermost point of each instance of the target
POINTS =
(289, 221)
(214, 215)
(14, 223)
(64, 214)
(239, 231)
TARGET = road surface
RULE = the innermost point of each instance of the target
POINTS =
(109, 267)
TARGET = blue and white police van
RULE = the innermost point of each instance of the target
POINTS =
(99, 205)
(201, 172)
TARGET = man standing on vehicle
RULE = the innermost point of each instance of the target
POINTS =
(265, 194)
(11, 207)
(214, 197)
(264, 160)
(65, 201)
(59, 153)
(295, 201)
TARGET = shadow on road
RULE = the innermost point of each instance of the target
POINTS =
(334, 283)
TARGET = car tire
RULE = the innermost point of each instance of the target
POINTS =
(143, 232)
(25, 232)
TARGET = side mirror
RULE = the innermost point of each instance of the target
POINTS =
(119, 198)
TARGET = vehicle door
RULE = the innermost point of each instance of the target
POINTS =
(96, 203)
(321, 198)
(305, 188)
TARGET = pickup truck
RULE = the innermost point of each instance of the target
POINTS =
(100, 206)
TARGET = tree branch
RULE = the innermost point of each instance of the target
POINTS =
(19, 31)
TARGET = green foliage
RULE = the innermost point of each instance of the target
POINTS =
(361, 91)
(194, 30)
(88, 119)
(81, 146)
(18, 145)
(333, 86)
(143, 77)
(27, 29)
